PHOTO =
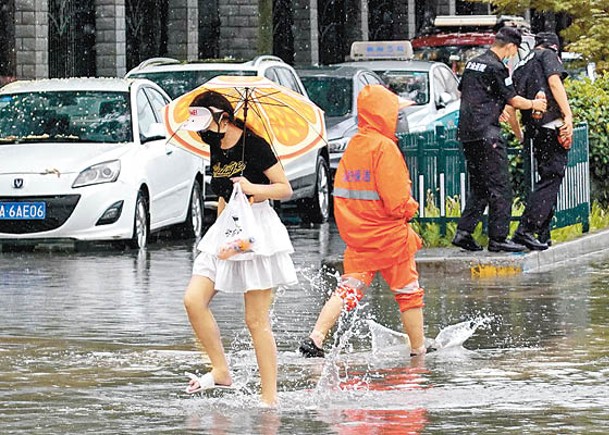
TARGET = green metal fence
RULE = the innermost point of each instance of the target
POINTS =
(439, 174)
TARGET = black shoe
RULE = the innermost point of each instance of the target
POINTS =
(505, 245)
(309, 349)
(544, 237)
(464, 240)
(529, 240)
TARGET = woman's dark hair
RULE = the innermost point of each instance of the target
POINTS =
(214, 99)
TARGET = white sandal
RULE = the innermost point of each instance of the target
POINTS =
(200, 383)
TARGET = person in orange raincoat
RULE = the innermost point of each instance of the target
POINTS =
(372, 208)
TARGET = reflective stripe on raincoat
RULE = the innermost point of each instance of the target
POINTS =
(372, 188)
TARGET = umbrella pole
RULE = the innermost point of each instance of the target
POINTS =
(245, 109)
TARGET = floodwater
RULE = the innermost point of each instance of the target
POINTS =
(98, 342)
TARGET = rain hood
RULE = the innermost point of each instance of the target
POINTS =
(377, 110)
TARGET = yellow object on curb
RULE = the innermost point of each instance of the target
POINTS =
(491, 270)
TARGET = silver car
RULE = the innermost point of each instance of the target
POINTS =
(335, 90)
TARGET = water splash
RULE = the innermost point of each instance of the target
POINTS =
(384, 338)
(455, 335)
(335, 371)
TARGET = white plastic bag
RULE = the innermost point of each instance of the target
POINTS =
(239, 233)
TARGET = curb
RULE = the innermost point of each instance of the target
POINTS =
(455, 262)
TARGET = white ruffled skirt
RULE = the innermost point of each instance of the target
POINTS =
(271, 266)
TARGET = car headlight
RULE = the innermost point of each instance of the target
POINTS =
(106, 172)
(338, 146)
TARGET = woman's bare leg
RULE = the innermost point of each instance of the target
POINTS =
(197, 298)
(257, 307)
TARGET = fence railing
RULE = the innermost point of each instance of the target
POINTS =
(439, 174)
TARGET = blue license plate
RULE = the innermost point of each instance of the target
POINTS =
(23, 210)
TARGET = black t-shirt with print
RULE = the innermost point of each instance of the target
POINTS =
(226, 164)
(485, 88)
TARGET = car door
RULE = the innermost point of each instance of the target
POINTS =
(161, 167)
(446, 96)
(186, 164)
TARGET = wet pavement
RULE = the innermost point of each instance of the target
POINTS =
(98, 342)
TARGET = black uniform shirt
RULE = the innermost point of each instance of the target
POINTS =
(533, 75)
(229, 163)
(485, 88)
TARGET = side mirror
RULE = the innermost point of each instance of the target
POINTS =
(155, 132)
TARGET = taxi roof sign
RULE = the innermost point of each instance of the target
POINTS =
(385, 50)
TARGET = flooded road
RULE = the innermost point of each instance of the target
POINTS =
(98, 342)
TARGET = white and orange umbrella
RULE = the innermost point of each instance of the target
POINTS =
(291, 123)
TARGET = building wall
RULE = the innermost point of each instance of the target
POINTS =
(182, 29)
(111, 38)
(239, 36)
(238, 28)
(31, 39)
(306, 39)
(446, 7)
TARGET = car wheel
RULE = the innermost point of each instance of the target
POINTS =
(193, 225)
(316, 209)
(140, 224)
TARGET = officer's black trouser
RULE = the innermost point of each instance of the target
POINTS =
(551, 160)
(489, 184)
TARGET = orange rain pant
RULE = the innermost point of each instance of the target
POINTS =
(403, 280)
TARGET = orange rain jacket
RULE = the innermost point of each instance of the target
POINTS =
(372, 188)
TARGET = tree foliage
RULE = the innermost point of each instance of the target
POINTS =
(588, 33)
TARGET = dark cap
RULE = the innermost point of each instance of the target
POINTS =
(548, 40)
(509, 35)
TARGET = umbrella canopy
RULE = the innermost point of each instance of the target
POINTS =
(291, 123)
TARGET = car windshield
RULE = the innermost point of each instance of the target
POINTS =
(452, 55)
(333, 94)
(412, 85)
(177, 83)
(65, 116)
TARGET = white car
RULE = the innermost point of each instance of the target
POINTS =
(309, 174)
(431, 85)
(88, 160)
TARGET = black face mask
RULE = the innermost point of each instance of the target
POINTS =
(211, 137)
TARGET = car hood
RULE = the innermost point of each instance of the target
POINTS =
(340, 126)
(65, 158)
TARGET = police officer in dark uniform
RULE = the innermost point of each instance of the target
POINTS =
(550, 134)
(486, 87)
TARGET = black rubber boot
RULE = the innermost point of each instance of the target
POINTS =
(309, 349)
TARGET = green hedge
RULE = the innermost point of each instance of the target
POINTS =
(590, 103)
